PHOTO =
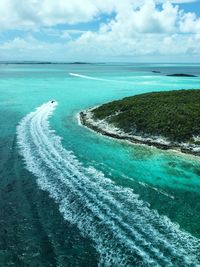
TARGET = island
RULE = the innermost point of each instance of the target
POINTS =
(156, 71)
(181, 75)
(80, 63)
(167, 119)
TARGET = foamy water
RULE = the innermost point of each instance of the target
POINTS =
(89, 77)
(96, 78)
(122, 228)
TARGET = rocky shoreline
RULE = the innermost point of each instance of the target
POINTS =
(86, 119)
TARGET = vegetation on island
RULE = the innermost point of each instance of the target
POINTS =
(181, 75)
(174, 115)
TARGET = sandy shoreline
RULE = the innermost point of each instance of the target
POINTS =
(102, 127)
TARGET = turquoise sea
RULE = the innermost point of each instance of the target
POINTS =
(71, 197)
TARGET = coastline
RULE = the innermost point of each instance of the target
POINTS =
(102, 127)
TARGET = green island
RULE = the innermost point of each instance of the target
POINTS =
(168, 120)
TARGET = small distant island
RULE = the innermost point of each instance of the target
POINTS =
(181, 75)
(43, 63)
(167, 120)
(80, 63)
(156, 71)
(175, 74)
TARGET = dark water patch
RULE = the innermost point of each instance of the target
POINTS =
(32, 231)
(183, 209)
(142, 152)
(178, 173)
(197, 171)
(172, 164)
(180, 205)
(186, 165)
(178, 169)
(193, 167)
(8, 121)
(158, 178)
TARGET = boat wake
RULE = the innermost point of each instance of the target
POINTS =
(123, 229)
(91, 78)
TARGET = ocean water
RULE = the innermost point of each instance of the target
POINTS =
(71, 197)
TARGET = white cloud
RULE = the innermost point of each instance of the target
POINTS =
(31, 49)
(145, 31)
(148, 18)
(34, 13)
(139, 28)
(189, 22)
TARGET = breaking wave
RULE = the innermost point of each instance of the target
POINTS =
(123, 229)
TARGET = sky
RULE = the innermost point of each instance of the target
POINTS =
(100, 30)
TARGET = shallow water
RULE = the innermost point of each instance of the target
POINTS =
(102, 201)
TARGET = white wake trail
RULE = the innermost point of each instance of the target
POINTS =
(124, 231)
(92, 78)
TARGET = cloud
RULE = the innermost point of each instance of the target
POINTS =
(190, 23)
(30, 48)
(36, 13)
(139, 28)
(179, 1)
(147, 31)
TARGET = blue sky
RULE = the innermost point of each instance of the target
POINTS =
(93, 30)
(192, 7)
